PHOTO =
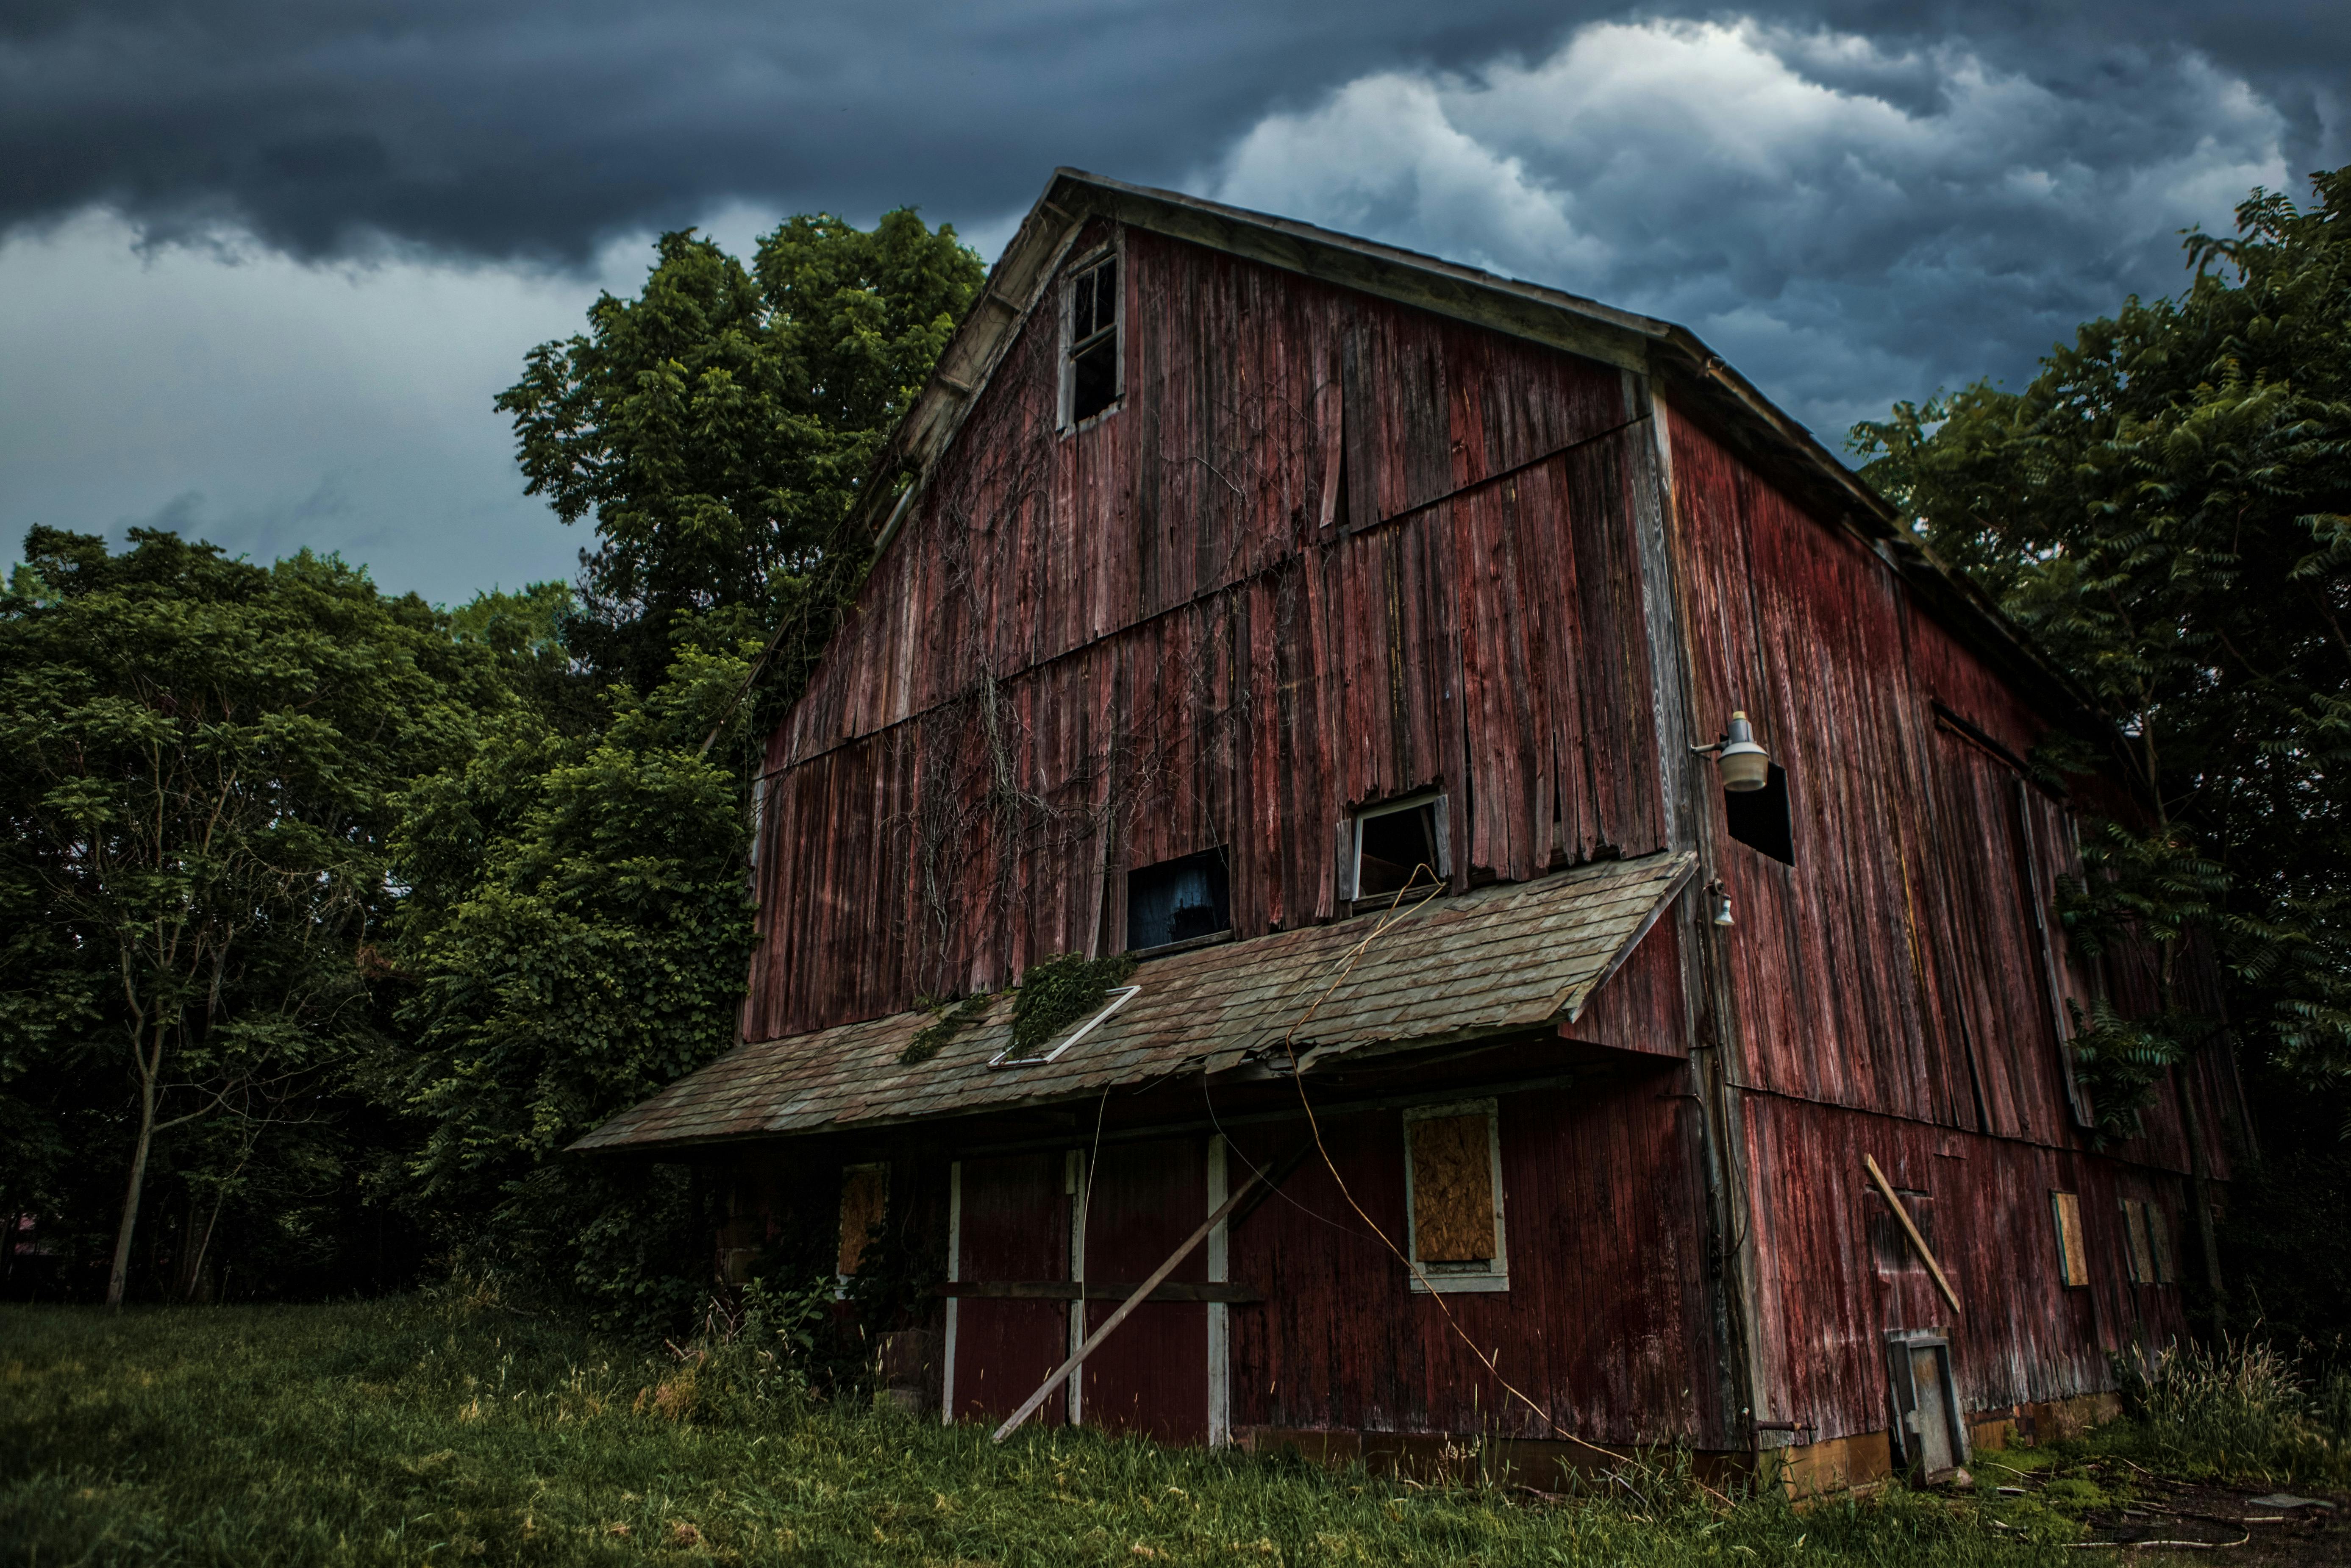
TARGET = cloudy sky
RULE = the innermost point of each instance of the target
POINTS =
(263, 266)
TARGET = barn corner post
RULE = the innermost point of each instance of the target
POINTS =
(1713, 1042)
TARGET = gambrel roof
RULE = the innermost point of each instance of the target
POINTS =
(1691, 375)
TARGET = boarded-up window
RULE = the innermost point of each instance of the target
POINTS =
(1453, 1178)
(2158, 1241)
(2072, 1255)
(1890, 1244)
(2143, 1259)
(864, 1199)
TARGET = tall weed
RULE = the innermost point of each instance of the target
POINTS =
(2242, 1408)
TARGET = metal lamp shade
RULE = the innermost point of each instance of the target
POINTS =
(1745, 765)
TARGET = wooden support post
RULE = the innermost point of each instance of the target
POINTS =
(1142, 1293)
(1886, 1190)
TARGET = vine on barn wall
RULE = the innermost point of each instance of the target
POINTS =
(986, 832)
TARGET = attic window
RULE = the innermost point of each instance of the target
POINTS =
(1453, 1197)
(1759, 818)
(1092, 368)
(1178, 900)
(1391, 847)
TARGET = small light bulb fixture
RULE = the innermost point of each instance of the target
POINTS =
(1717, 898)
(1745, 765)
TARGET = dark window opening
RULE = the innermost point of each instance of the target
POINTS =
(1889, 1245)
(1399, 848)
(1178, 900)
(1759, 818)
(1093, 340)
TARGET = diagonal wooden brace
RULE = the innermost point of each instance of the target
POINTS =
(1142, 1293)
(1886, 1188)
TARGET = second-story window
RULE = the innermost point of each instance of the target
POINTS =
(1394, 846)
(1180, 900)
(1092, 373)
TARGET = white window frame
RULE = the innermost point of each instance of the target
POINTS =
(1118, 999)
(1447, 1278)
(1066, 374)
(1350, 835)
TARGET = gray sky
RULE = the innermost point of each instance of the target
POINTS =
(263, 267)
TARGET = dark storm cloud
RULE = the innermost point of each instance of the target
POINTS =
(525, 130)
(533, 131)
(387, 205)
(1846, 219)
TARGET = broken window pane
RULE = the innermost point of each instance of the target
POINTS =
(1759, 818)
(1092, 366)
(1397, 847)
(1177, 900)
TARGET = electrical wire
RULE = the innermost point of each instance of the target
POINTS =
(1489, 1359)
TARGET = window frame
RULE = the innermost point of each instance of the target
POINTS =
(1352, 856)
(1224, 865)
(1449, 1279)
(1115, 252)
(1119, 997)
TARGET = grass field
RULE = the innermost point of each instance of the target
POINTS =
(420, 1431)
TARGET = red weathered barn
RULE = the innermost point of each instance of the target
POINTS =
(1336, 629)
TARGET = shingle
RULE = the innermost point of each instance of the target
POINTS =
(1510, 956)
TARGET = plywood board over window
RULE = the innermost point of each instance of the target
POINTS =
(2073, 1254)
(864, 1200)
(1453, 1185)
(2146, 1239)
(2140, 1256)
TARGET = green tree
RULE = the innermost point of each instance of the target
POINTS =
(197, 760)
(576, 935)
(717, 427)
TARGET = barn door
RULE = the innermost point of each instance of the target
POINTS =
(1153, 1376)
(1008, 1221)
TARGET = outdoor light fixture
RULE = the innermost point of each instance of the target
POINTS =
(1717, 898)
(1745, 765)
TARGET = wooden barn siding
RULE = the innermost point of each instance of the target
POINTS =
(2023, 1335)
(1604, 1322)
(1171, 629)
(1896, 966)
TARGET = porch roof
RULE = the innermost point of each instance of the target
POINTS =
(1496, 961)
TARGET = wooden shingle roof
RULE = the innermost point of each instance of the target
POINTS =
(1497, 960)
